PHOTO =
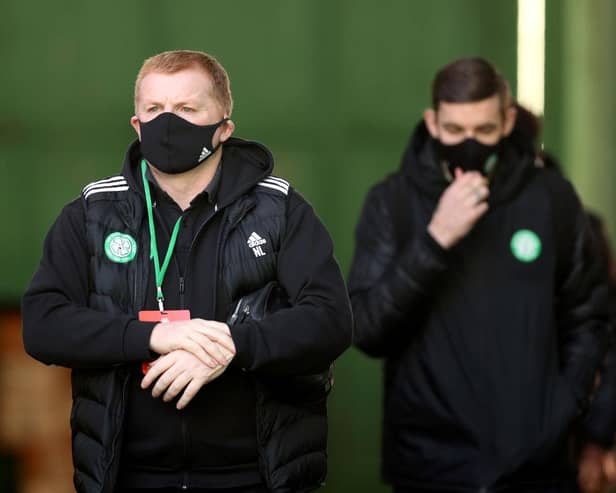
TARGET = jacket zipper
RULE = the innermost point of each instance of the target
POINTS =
(182, 285)
(185, 480)
(182, 288)
(184, 426)
(236, 311)
(185, 483)
(219, 242)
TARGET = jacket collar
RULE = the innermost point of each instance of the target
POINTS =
(244, 164)
(421, 166)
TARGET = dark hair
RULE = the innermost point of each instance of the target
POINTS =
(468, 80)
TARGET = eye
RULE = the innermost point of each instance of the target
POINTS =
(486, 130)
(152, 109)
(453, 129)
(187, 109)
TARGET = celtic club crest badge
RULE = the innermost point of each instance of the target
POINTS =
(525, 245)
(120, 247)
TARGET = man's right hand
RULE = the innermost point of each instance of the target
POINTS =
(459, 208)
(210, 341)
(179, 371)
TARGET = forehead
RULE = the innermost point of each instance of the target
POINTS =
(471, 114)
(185, 84)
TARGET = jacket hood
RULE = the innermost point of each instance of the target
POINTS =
(421, 166)
(244, 164)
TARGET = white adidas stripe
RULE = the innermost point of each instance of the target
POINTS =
(106, 185)
(106, 189)
(276, 180)
(275, 187)
(106, 181)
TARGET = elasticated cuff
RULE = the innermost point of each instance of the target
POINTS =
(137, 341)
(242, 338)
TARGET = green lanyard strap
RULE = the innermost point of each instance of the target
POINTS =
(159, 271)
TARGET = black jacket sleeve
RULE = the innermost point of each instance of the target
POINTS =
(599, 426)
(581, 297)
(310, 335)
(389, 283)
(58, 326)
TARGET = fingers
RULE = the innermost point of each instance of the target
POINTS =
(591, 472)
(206, 349)
(191, 391)
(210, 341)
(156, 369)
(476, 195)
(467, 191)
(609, 467)
(470, 177)
(474, 183)
(195, 345)
(177, 371)
(459, 208)
(176, 386)
(215, 339)
(195, 385)
(219, 333)
(168, 378)
(470, 186)
(478, 211)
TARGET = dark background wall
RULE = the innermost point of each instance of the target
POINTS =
(333, 87)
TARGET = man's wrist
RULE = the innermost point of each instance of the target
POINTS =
(440, 235)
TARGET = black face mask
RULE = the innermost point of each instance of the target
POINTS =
(174, 145)
(469, 155)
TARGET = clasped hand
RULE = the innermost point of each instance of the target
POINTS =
(193, 353)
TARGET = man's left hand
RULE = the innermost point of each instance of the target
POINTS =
(591, 476)
(180, 370)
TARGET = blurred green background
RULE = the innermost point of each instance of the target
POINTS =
(333, 87)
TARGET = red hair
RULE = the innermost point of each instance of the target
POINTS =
(170, 62)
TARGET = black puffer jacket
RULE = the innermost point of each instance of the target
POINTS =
(80, 312)
(488, 358)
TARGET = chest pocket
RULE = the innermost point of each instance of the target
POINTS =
(117, 252)
(250, 252)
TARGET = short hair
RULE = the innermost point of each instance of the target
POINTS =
(171, 62)
(468, 80)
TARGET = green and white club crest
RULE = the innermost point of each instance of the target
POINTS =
(525, 245)
(120, 247)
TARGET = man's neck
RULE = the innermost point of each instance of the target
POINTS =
(184, 187)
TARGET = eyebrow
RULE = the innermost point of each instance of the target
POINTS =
(179, 103)
(451, 125)
(483, 126)
(486, 126)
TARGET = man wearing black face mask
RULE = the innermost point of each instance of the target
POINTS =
(474, 278)
(156, 287)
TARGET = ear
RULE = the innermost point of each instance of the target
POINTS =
(134, 121)
(227, 130)
(510, 115)
(429, 116)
